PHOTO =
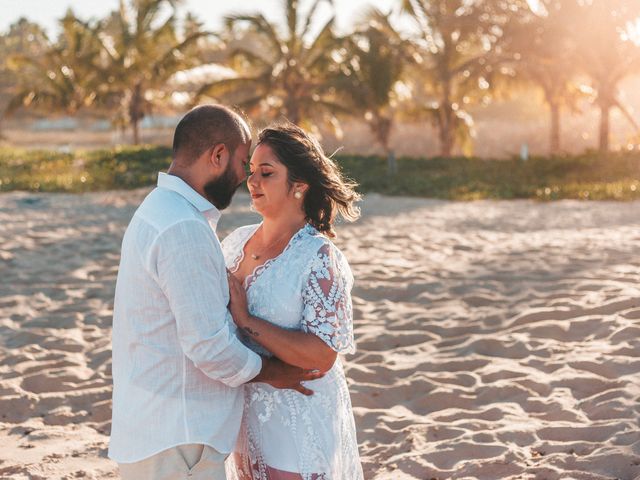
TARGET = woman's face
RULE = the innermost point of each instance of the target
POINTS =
(270, 191)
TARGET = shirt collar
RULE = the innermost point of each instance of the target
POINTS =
(204, 206)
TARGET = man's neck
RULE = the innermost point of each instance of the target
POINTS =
(187, 177)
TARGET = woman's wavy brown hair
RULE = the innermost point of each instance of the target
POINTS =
(329, 193)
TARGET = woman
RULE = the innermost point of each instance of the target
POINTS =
(290, 297)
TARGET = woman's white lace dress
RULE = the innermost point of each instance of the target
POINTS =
(307, 287)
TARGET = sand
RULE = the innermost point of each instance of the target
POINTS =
(497, 340)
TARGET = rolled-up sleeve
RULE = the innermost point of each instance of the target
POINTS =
(194, 282)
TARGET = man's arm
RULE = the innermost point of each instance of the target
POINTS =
(194, 283)
(282, 375)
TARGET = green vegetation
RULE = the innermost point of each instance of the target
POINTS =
(81, 171)
(588, 177)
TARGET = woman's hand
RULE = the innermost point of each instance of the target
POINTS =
(237, 300)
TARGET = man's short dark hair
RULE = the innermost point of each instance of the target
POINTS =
(204, 127)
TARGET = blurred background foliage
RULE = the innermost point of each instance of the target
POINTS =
(592, 176)
(435, 62)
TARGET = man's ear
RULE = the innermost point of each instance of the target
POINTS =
(219, 156)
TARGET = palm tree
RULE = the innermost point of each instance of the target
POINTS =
(24, 39)
(59, 77)
(119, 66)
(378, 58)
(606, 52)
(543, 50)
(459, 41)
(141, 51)
(292, 73)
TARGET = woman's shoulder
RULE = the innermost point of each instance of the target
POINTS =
(242, 231)
(239, 234)
(320, 246)
(314, 240)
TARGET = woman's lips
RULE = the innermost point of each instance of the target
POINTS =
(256, 195)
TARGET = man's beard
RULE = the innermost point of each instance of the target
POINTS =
(221, 190)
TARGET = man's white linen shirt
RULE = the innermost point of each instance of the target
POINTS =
(177, 363)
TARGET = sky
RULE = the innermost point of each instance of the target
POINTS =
(211, 12)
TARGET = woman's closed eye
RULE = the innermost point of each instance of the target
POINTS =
(264, 174)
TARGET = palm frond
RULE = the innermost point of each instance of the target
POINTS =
(252, 57)
(228, 86)
(322, 45)
(169, 61)
(260, 25)
(309, 19)
(291, 15)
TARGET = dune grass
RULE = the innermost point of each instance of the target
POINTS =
(588, 177)
(81, 171)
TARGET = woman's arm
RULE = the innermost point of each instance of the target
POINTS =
(302, 349)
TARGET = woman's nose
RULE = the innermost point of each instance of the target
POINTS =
(252, 180)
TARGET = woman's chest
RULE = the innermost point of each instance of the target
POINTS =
(246, 267)
(275, 294)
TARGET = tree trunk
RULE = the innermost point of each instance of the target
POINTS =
(292, 109)
(554, 141)
(446, 132)
(446, 140)
(392, 164)
(605, 109)
(135, 113)
(135, 126)
(382, 129)
(446, 122)
(3, 117)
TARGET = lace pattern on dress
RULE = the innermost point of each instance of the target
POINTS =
(233, 246)
(261, 268)
(307, 287)
(328, 312)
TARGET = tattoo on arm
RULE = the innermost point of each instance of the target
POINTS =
(251, 332)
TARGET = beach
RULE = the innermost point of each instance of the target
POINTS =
(496, 339)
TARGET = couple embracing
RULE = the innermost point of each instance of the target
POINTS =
(225, 354)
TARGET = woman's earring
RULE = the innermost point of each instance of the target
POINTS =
(298, 195)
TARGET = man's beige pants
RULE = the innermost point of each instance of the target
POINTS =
(185, 462)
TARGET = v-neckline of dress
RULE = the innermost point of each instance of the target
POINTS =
(259, 269)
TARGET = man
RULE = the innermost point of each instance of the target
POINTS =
(177, 363)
